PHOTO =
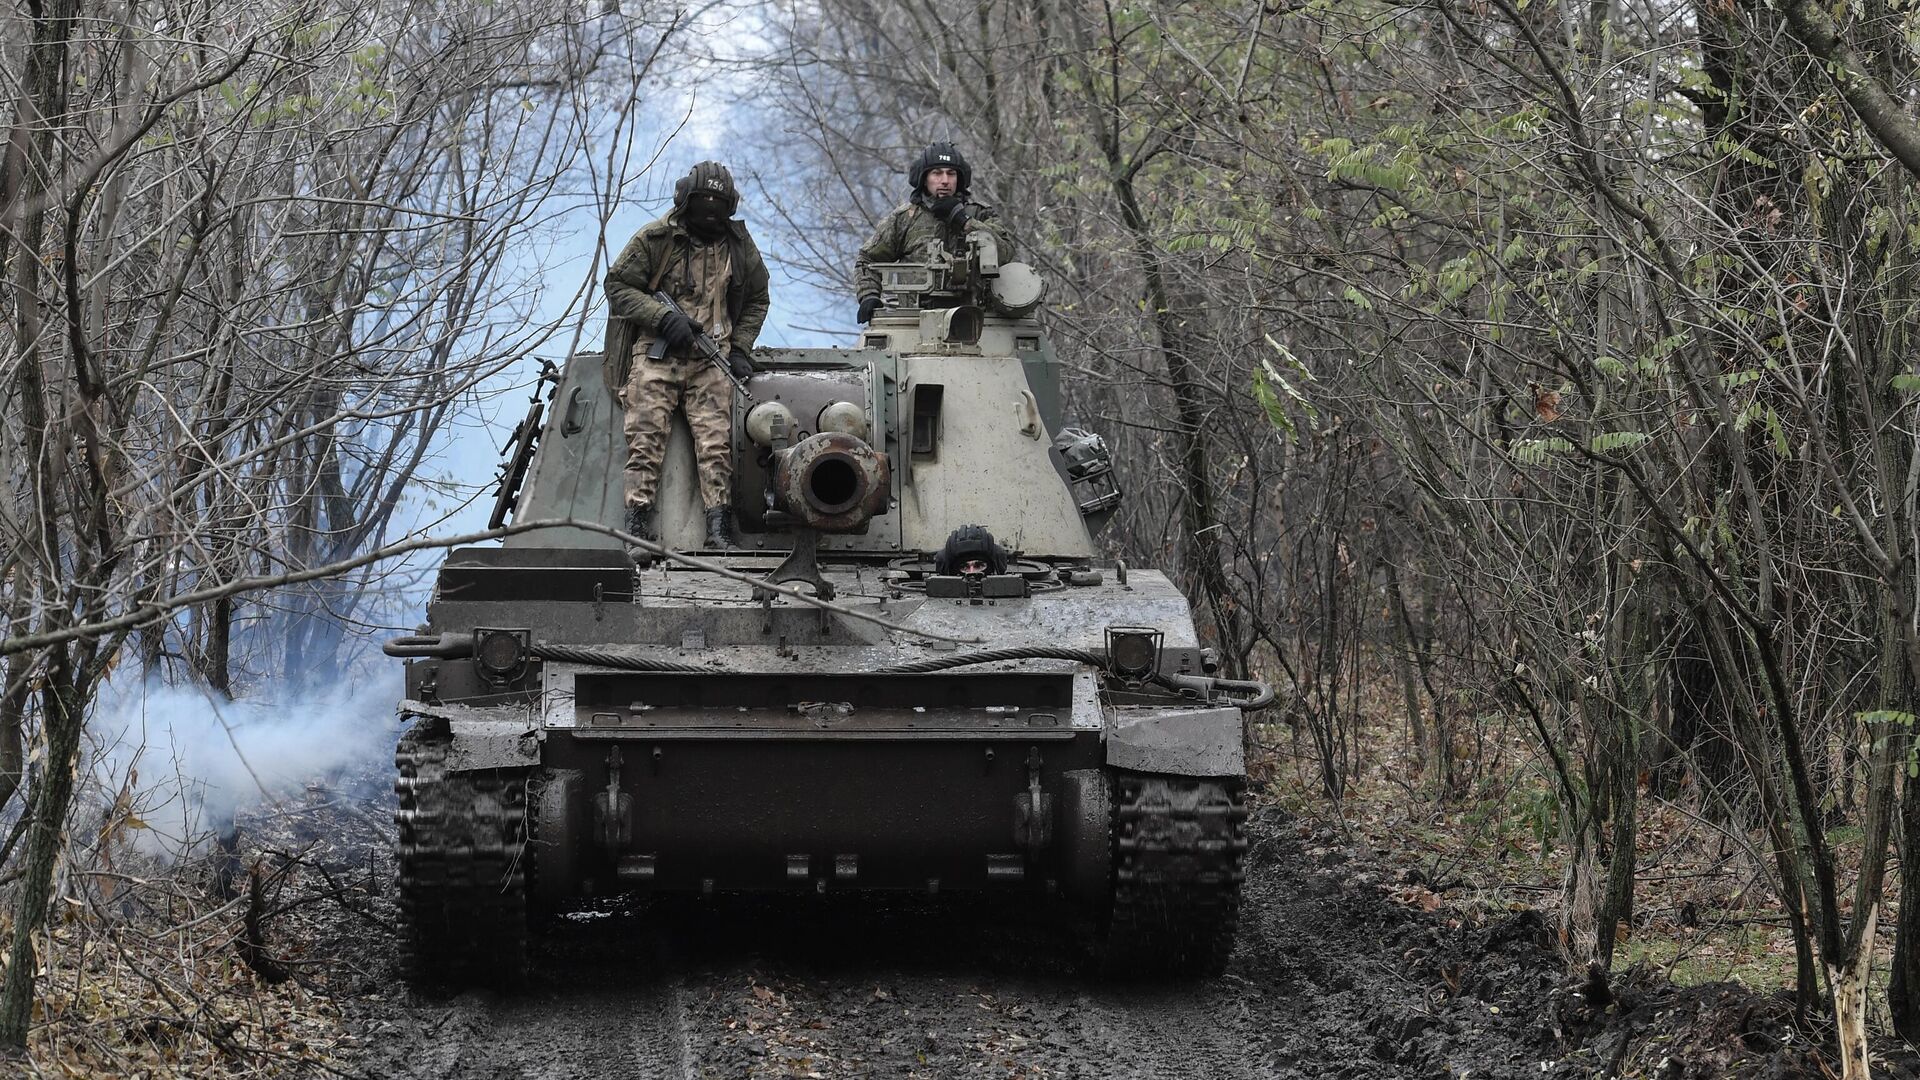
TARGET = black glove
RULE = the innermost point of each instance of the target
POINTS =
(741, 363)
(868, 305)
(951, 209)
(677, 330)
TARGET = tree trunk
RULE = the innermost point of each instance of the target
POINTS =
(43, 104)
(1880, 111)
(1903, 995)
(1617, 905)
(1172, 321)
(1579, 893)
(216, 659)
(13, 718)
(14, 691)
(1403, 667)
(1849, 982)
(63, 709)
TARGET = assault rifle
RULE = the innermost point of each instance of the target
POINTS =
(702, 344)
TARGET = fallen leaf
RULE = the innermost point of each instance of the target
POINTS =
(1546, 404)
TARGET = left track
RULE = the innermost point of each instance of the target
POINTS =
(463, 862)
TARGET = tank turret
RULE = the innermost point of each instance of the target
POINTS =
(960, 696)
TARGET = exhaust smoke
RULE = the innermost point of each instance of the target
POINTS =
(183, 761)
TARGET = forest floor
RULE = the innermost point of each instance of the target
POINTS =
(1390, 935)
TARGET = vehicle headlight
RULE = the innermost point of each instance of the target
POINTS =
(500, 654)
(1133, 651)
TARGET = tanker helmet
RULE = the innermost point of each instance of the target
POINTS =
(970, 544)
(941, 155)
(707, 178)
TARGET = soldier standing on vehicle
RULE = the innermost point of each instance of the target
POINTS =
(941, 208)
(703, 258)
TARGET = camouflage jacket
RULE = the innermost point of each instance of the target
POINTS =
(632, 312)
(902, 235)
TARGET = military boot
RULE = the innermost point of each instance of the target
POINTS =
(639, 522)
(720, 528)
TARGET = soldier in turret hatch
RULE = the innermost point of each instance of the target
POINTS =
(970, 551)
(704, 259)
(940, 208)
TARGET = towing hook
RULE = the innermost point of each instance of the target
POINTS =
(1247, 695)
(435, 646)
(1259, 695)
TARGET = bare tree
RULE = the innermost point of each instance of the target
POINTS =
(257, 260)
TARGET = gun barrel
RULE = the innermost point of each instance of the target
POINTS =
(832, 481)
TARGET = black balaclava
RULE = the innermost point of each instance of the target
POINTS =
(705, 216)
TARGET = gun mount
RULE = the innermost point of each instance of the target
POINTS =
(950, 294)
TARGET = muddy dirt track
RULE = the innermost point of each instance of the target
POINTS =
(1330, 979)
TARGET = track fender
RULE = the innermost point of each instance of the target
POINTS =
(1182, 742)
(483, 737)
(492, 744)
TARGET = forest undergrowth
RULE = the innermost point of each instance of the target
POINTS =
(247, 958)
(1490, 844)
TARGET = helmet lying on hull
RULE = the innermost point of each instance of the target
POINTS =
(1000, 712)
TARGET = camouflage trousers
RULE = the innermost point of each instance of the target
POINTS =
(654, 390)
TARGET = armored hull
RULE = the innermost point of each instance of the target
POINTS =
(582, 728)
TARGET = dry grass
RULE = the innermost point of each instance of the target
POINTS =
(155, 987)
(146, 972)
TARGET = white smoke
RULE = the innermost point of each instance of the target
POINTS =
(177, 763)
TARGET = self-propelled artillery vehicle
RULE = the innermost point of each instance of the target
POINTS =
(969, 712)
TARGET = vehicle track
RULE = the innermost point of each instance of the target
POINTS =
(572, 1030)
(1184, 1030)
